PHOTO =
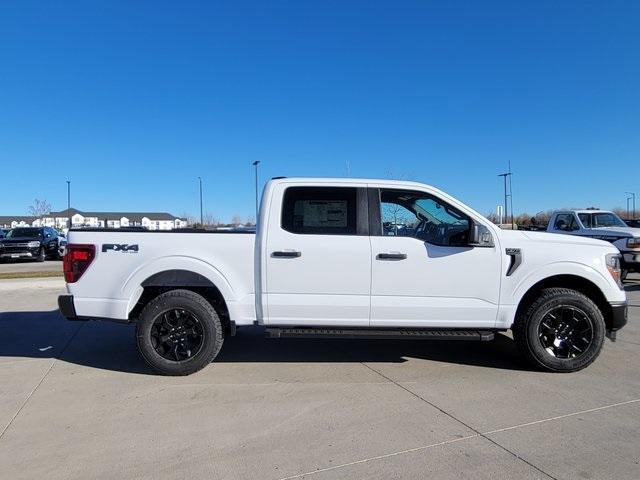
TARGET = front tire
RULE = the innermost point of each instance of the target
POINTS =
(561, 331)
(179, 333)
(42, 255)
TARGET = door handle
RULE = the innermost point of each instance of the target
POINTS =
(286, 254)
(391, 256)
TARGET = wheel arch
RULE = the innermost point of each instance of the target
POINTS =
(174, 279)
(570, 281)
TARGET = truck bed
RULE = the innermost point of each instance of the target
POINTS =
(125, 258)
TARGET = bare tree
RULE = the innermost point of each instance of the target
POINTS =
(250, 222)
(236, 220)
(210, 220)
(397, 213)
(623, 213)
(39, 209)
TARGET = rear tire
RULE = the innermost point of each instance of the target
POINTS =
(561, 331)
(179, 333)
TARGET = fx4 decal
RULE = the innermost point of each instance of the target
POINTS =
(120, 247)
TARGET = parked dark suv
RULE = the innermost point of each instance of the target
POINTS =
(30, 242)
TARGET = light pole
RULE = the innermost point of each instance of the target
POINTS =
(69, 203)
(505, 175)
(508, 195)
(201, 216)
(633, 197)
(255, 164)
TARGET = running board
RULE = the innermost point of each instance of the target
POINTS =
(380, 333)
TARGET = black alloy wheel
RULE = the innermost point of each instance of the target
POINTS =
(177, 335)
(565, 332)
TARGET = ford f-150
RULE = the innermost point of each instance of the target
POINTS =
(353, 259)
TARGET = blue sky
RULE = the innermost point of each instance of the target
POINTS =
(134, 100)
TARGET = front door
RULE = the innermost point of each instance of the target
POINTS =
(318, 257)
(424, 273)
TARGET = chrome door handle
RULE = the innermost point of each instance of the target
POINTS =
(391, 256)
(286, 254)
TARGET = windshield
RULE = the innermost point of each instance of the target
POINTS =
(24, 233)
(605, 219)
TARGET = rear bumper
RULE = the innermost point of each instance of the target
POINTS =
(67, 308)
(91, 309)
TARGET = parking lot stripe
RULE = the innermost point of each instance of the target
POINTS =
(26, 400)
(380, 457)
(453, 417)
(560, 417)
(468, 437)
(6, 427)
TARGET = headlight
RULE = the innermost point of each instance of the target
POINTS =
(633, 243)
(613, 266)
(33, 244)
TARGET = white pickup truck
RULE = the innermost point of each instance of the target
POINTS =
(603, 225)
(353, 259)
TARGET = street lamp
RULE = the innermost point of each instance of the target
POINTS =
(255, 164)
(201, 216)
(508, 195)
(68, 203)
(633, 197)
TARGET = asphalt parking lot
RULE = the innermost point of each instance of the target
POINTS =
(78, 402)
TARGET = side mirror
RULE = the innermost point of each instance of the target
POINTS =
(480, 236)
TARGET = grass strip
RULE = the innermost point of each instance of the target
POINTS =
(42, 274)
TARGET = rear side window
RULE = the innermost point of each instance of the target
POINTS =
(320, 210)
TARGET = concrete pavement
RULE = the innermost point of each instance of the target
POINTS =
(78, 402)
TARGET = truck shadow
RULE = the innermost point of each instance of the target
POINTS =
(111, 346)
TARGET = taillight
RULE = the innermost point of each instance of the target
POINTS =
(77, 259)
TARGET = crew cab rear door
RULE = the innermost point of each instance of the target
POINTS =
(317, 256)
(424, 272)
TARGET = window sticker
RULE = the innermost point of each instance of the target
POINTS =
(322, 213)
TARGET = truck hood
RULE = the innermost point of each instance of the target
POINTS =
(618, 231)
(9, 241)
(552, 238)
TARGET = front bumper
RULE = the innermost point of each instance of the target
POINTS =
(618, 318)
(10, 253)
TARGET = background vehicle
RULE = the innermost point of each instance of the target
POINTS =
(328, 261)
(603, 225)
(62, 245)
(31, 243)
(633, 223)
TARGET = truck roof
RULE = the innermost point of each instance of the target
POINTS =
(379, 181)
(581, 210)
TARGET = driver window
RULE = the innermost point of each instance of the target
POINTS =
(419, 215)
